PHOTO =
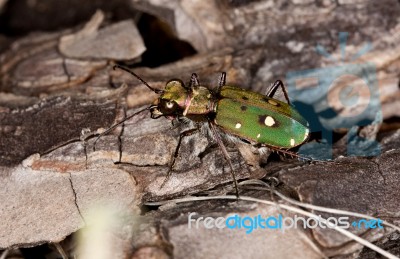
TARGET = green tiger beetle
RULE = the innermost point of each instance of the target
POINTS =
(244, 115)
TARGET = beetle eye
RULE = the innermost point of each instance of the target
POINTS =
(169, 105)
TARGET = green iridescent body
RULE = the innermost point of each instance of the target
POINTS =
(259, 119)
(242, 113)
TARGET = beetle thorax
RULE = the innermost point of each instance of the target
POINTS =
(201, 102)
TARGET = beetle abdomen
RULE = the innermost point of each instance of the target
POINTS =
(260, 119)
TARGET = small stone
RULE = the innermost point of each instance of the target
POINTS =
(119, 41)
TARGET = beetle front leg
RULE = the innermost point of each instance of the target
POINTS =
(272, 90)
(186, 133)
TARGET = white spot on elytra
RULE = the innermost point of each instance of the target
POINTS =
(259, 135)
(306, 134)
(292, 142)
(269, 121)
(238, 125)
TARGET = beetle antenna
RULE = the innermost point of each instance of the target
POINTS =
(117, 124)
(157, 91)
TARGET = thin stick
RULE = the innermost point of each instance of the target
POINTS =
(292, 209)
(4, 254)
(60, 250)
(315, 207)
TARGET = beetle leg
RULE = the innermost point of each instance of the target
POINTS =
(272, 90)
(186, 133)
(194, 83)
(221, 82)
(194, 80)
(291, 153)
(175, 124)
(221, 145)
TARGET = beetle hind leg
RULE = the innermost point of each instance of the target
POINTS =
(221, 145)
(291, 153)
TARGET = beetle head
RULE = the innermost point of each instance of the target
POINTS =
(172, 101)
